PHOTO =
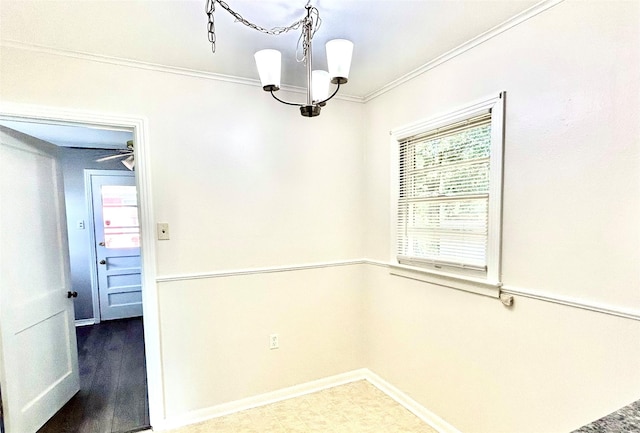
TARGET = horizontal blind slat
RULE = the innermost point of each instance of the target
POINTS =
(451, 129)
(444, 191)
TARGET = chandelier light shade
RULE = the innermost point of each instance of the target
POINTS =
(320, 83)
(268, 62)
(339, 52)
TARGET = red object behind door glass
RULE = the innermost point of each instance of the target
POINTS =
(120, 216)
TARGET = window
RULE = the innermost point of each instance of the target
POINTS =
(448, 195)
(120, 216)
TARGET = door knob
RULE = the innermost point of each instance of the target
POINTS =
(103, 262)
(72, 294)
(101, 244)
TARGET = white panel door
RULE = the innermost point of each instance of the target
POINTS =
(39, 356)
(117, 234)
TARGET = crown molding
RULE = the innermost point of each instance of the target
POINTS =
(125, 62)
(483, 37)
(176, 70)
(460, 49)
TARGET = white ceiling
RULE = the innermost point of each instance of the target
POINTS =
(72, 135)
(391, 37)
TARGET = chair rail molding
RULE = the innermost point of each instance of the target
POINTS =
(597, 307)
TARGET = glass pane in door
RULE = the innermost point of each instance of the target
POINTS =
(120, 216)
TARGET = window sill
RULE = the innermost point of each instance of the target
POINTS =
(445, 279)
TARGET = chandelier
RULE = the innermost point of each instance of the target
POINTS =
(268, 61)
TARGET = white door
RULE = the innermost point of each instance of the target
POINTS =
(39, 357)
(117, 236)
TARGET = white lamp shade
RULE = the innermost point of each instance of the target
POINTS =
(320, 85)
(339, 52)
(268, 63)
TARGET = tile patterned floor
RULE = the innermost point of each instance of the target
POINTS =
(358, 407)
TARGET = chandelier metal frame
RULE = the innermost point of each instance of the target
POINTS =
(309, 24)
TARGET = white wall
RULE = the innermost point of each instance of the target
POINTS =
(571, 212)
(243, 182)
(224, 328)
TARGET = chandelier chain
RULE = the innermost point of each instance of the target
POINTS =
(312, 19)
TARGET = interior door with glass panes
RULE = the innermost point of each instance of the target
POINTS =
(117, 237)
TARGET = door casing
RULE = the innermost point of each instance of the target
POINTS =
(138, 126)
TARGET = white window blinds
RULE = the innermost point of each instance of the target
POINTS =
(443, 203)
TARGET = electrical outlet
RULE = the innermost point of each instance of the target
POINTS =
(163, 231)
(80, 224)
(273, 341)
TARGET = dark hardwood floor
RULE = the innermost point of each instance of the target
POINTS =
(113, 382)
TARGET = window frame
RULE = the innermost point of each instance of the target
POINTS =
(487, 282)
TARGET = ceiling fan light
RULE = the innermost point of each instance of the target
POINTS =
(339, 52)
(268, 63)
(320, 85)
(130, 162)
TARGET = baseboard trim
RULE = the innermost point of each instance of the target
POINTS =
(200, 415)
(440, 425)
(205, 414)
(85, 322)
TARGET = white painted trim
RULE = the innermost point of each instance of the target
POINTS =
(85, 322)
(496, 179)
(481, 283)
(205, 414)
(200, 415)
(156, 67)
(373, 262)
(444, 279)
(88, 196)
(490, 290)
(460, 49)
(88, 191)
(150, 302)
(533, 294)
(143, 179)
(250, 271)
(597, 307)
(453, 115)
(410, 404)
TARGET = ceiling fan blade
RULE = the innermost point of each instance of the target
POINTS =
(107, 158)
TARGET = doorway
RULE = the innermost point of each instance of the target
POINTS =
(131, 329)
(102, 214)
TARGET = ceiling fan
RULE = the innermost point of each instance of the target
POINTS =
(128, 155)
